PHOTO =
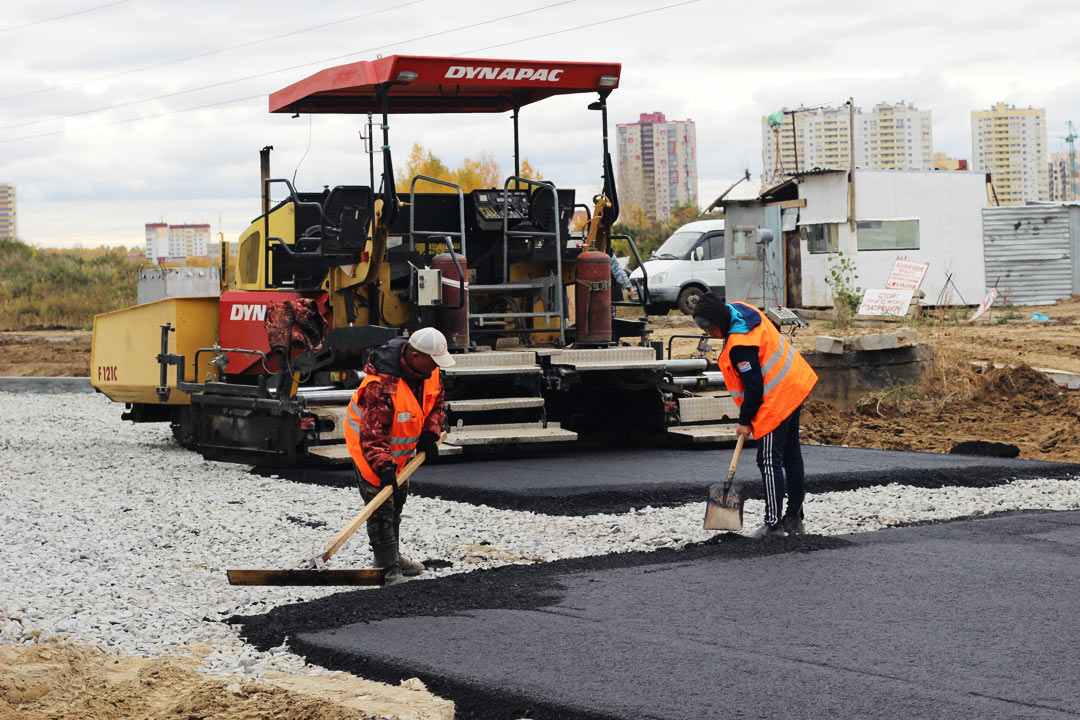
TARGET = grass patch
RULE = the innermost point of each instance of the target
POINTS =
(46, 288)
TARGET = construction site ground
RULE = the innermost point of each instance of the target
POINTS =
(896, 623)
(962, 619)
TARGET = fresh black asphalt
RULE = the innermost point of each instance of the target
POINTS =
(970, 618)
(584, 481)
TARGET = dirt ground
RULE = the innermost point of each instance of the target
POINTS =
(67, 682)
(1015, 404)
(45, 353)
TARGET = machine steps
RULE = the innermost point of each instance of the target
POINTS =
(706, 419)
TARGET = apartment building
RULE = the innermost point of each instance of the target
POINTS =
(1063, 179)
(941, 161)
(9, 227)
(893, 136)
(166, 242)
(1010, 144)
(657, 164)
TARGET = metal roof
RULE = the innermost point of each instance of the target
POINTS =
(420, 84)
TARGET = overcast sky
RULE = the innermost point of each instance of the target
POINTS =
(100, 133)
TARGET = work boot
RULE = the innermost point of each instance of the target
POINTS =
(387, 558)
(409, 568)
(793, 524)
(767, 532)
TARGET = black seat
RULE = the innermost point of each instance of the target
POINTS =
(346, 217)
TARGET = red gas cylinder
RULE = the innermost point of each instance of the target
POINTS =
(593, 298)
(451, 320)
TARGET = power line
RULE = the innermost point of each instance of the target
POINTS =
(287, 69)
(209, 52)
(577, 27)
(61, 17)
(136, 119)
(339, 57)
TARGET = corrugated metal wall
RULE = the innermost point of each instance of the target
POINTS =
(1028, 253)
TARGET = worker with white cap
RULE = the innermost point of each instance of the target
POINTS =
(397, 409)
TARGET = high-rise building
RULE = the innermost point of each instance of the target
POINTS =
(9, 226)
(157, 241)
(189, 240)
(1010, 144)
(657, 164)
(892, 137)
(1063, 177)
(176, 242)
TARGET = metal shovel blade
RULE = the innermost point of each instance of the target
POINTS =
(366, 576)
(724, 509)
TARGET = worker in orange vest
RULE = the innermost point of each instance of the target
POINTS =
(769, 380)
(397, 409)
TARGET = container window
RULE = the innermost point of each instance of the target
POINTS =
(888, 234)
(820, 238)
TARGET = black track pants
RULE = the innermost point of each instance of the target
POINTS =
(780, 460)
(382, 526)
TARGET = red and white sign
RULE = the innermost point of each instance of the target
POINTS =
(907, 274)
(886, 302)
(985, 305)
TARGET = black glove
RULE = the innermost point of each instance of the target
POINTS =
(429, 445)
(388, 478)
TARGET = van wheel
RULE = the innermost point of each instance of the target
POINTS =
(657, 309)
(688, 299)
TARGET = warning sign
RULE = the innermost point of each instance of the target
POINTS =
(886, 302)
(907, 274)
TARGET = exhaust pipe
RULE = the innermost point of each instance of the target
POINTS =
(264, 174)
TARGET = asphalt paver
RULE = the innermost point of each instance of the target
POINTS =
(968, 618)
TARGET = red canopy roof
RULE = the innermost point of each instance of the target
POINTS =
(441, 85)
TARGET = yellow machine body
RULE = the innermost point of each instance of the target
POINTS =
(126, 343)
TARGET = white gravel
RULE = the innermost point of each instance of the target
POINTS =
(112, 535)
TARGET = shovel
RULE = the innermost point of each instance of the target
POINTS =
(313, 571)
(724, 510)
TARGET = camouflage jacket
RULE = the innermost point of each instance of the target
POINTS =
(377, 404)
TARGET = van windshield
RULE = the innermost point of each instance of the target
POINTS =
(678, 246)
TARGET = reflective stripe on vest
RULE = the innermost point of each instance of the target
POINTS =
(409, 417)
(787, 377)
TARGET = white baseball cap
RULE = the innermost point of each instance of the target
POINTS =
(431, 342)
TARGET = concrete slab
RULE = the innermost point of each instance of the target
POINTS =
(973, 618)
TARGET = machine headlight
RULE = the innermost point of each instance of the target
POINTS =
(659, 277)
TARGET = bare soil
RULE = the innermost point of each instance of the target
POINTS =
(67, 682)
(45, 353)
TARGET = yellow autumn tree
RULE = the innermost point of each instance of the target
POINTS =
(482, 172)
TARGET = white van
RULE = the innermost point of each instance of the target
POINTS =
(685, 267)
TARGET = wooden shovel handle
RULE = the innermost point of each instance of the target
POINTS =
(372, 506)
(735, 459)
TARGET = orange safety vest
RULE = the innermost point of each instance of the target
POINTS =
(788, 378)
(405, 431)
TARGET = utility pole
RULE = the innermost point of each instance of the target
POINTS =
(851, 164)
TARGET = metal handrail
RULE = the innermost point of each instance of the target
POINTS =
(412, 213)
(643, 296)
(560, 245)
